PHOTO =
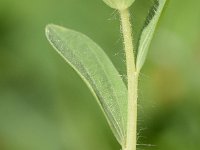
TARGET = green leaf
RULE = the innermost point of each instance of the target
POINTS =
(148, 31)
(98, 72)
(119, 4)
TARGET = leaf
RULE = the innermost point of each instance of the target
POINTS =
(148, 31)
(119, 4)
(98, 72)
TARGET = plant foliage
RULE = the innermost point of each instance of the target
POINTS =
(98, 72)
(148, 31)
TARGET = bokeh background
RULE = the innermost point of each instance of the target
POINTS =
(44, 105)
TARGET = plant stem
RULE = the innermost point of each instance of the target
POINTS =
(132, 75)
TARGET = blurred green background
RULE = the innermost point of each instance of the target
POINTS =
(44, 105)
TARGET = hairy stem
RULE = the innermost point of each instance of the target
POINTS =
(132, 76)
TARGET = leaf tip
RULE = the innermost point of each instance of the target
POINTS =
(48, 28)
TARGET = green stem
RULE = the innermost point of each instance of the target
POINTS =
(132, 75)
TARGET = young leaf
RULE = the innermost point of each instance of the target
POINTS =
(98, 72)
(119, 4)
(148, 31)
